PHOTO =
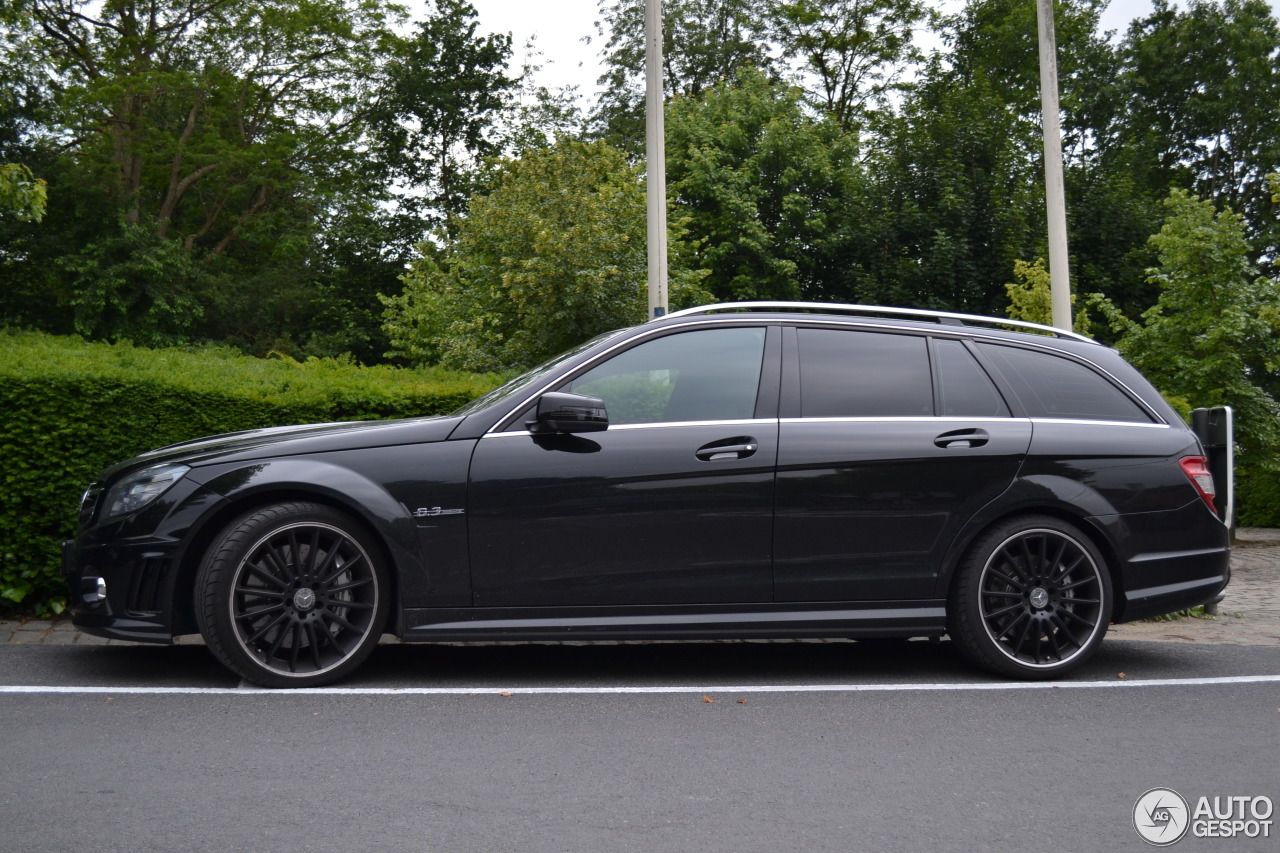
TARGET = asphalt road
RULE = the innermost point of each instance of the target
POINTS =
(838, 746)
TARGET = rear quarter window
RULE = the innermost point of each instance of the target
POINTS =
(1049, 386)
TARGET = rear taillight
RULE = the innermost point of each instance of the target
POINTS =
(1197, 470)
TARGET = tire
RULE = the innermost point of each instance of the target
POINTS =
(1031, 599)
(292, 595)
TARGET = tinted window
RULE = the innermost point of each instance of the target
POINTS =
(964, 389)
(707, 375)
(1051, 387)
(847, 374)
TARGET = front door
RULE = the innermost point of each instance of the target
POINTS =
(672, 504)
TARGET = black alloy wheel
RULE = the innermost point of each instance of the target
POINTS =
(1032, 599)
(292, 595)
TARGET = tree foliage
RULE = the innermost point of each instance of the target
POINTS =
(22, 195)
(764, 185)
(1213, 336)
(551, 255)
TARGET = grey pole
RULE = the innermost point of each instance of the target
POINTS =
(655, 152)
(1055, 196)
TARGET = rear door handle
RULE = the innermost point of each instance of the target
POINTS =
(962, 438)
(739, 447)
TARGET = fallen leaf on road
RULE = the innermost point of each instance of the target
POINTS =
(742, 701)
(506, 693)
(707, 699)
(1119, 675)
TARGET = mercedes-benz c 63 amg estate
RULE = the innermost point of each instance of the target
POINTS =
(753, 470)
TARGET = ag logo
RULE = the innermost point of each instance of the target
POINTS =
(1161, 816)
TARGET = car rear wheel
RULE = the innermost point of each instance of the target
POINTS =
(292, 595)
(1032, 599)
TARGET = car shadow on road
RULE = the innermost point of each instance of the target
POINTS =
(685, 664)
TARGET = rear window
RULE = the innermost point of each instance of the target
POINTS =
(964, 389)
(1048, 386)
(847, 374)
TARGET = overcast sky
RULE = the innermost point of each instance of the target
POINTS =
(560, 27)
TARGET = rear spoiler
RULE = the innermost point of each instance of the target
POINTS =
(1216, 430)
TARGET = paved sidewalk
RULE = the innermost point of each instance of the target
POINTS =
(1248, 615)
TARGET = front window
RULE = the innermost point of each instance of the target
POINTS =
(703, 375)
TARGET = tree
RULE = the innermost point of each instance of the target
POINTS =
(765, 186)
(434, 116)
(22, 195)
(195, 141)
(705, 43)
(1213, 337)
(849, 52)
(1199, 104)
(1031, 297)
(553, 254)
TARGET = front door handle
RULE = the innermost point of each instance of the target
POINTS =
(962, 438)
(739, 447)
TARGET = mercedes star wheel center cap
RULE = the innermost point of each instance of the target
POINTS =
(304, 599)
(1039, 597)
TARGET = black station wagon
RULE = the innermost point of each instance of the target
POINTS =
(750, 470)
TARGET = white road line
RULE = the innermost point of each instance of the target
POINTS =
(249, 690)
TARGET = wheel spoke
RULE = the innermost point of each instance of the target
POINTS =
(266, 575)
(1064, 630)
(1022, 638)
(314, 642)
(250, 615)
(1068, 612)
(259, 592)
(340, 622)
(347, 587)
(262, 632)
(280, 562)
(1007, 628)
(1013, 582)
(996, 614)
(1065, 573)
(348, 566)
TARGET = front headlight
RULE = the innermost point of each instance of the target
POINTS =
(140, 488)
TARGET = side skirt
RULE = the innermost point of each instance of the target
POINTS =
(744, 621)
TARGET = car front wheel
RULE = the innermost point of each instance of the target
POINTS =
(1031, 599)
(292, 595)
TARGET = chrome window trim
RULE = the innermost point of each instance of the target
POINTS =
(654, 425)
(643, 334)
(1086, 421)
(830, 321)
(924, 419)
(961, 419)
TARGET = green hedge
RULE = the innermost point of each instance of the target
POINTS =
(71, 408)
(1258, 498)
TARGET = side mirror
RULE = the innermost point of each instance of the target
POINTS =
(561, 412)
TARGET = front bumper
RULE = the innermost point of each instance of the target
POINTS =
(138, 578)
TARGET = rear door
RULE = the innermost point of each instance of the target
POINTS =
(888, 442)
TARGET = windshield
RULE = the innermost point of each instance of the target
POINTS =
(531, 377)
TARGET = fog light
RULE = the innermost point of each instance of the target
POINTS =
(94, 590)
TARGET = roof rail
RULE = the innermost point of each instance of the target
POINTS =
(837, 308)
